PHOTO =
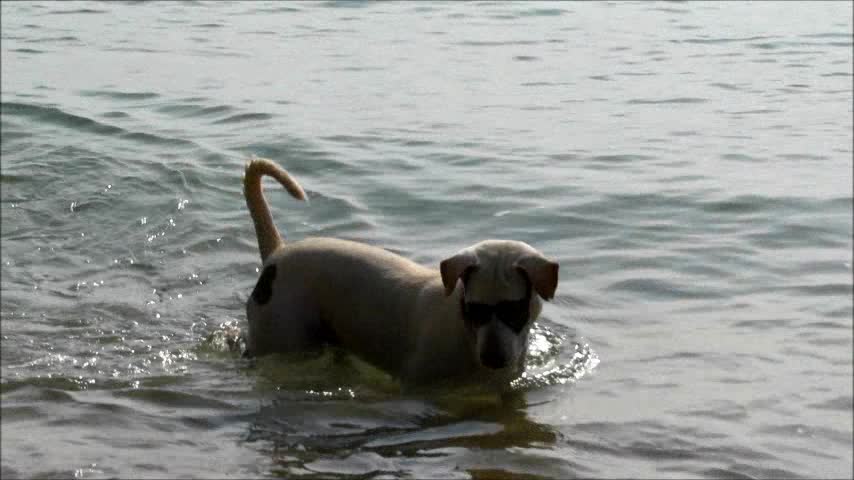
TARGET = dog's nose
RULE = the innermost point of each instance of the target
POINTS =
(493, 358)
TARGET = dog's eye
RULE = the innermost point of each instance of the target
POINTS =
(478, 313)
(514, 314)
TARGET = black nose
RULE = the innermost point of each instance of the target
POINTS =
(493, 358)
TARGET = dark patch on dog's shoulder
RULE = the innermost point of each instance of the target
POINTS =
(264, 288)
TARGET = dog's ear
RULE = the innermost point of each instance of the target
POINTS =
(454, 267)
(542, 273)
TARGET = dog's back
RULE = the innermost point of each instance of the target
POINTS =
(341, 292)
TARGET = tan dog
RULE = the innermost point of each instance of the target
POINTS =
(420, 325)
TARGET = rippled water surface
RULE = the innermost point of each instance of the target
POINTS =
(688, 164)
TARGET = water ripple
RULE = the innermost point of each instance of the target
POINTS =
(77, 11)
(113, 95)
(244, 117)
(675, 100)
(82, 124)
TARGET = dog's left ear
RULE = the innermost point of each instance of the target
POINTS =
(454, 267)
(542, 272)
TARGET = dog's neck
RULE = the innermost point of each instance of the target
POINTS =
(443, 343)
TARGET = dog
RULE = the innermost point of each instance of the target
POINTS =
(471, 317)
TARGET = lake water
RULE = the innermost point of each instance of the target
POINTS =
(688, 164)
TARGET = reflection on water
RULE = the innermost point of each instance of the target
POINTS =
(330, 413)
(346, 436)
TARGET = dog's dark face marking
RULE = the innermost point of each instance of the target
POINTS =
(513, 313)
(264, 288)
(496, 318)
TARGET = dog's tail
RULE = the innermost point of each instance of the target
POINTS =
(268, 235)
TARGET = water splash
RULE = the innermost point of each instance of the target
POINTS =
(551, 362)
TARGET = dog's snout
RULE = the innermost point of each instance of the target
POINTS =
(493, 357)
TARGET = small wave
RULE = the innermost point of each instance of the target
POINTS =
(245, 117)
(681, 100)
(827, 35)
(55, 386)
(152, 139)
(749, 472)
(656, 288)
(25, 391)
(636, 74)
(670, 10)
(797, 235)
(347, 4)
(802, 430)
(259, 32)
(358, 140)
(78, 11)
(496, 43)
(9, 133)
(31, 51)
(741, 157)
(542, 12)
(119, 95)
(543, 84)
(115, 114)
(365, 68)
(740, 204)
(837, 74)
(725, 86)
(838, 290)
(722, 40)
(193, 99)
(620, 158)
(802, 157)
(194, 111)
(278, 9)
(65, 38)
(686, 133)
(58, 117)
(462, 429)
(758, 111)
(827, 325)
(134, 49)
(843, 403)
(171, 398)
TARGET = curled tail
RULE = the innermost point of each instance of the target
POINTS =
(268, 235)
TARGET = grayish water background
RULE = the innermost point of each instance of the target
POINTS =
(688, 164)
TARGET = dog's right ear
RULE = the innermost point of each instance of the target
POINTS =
(454, 267)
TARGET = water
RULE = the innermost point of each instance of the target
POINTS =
(688, 164)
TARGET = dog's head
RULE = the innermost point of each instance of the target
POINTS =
(502, 281)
